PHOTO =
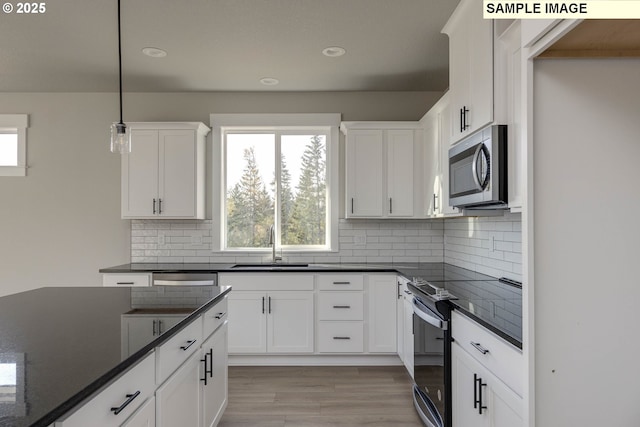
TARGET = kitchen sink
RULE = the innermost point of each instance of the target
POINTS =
(276, 266)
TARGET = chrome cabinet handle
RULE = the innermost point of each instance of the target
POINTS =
(130, 397)
(341, 338)
(341, 306)
(478, 347)
(220, 315)
(189, 344)
(154, 206)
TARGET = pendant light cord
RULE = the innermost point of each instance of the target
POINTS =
(120, 61)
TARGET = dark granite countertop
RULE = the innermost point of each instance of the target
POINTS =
(62, 344)
(494, 305)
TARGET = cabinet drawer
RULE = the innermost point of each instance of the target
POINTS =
(266, 281)
(171, 354)
(214, 317)
(134, 386)
(126, 280)
(341, 282)
(340, 337)
(340, 306)
(501, 358)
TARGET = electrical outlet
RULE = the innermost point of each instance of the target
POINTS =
(492, 243)
(161, 238)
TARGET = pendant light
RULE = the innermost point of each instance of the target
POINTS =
(120, 134)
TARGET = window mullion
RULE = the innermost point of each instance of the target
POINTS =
(277, 201)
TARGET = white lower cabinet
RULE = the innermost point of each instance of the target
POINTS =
(382, 313)
(486, 377)
(139, 330)
(143, 417)
(213, 390)
(118, 401)
(178, 402)
(271, 322)
(479, 398)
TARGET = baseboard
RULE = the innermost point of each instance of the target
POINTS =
(315, 360)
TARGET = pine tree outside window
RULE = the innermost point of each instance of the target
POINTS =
(280, 179)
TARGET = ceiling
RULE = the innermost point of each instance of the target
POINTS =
(599, 38)
(227, 45)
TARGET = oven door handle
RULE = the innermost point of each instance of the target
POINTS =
(424, 313)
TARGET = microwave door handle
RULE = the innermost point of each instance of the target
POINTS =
(474, 167)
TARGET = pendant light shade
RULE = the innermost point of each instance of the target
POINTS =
(120, 135)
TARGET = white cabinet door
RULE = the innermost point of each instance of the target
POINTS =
(163, 176)
(364, 170)
(140, 175)
(479, 398)
(400, 319)
(177, 174)
(177, 400)
(408, 331)
(470, 69)
(145, 416)
(400, 158)
(381, 293)
(290, 322)
(432, 170)
(214, 392)
(247, 322)
(140, 330)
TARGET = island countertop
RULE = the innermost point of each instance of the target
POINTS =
(62, 344)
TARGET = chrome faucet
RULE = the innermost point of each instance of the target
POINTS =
(272, 242)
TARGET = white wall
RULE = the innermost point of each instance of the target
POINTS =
(586, 233)
(61, 223)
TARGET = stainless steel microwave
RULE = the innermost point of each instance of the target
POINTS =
(478, 170)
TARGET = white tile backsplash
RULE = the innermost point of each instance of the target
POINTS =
(489, 245)
(359, 241)
(465, 242)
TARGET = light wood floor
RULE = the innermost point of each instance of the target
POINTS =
(319, 396)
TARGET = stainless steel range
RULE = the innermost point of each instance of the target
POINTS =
(432, 352)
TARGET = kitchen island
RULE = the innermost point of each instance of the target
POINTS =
(62, 346)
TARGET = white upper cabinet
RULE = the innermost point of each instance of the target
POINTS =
(470, 69)
(163, 176)
(436, 159)
(382, 169)
(365, 173)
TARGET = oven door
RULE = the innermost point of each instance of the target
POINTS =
(430, 392)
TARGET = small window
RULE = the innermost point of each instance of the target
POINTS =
(13, 130)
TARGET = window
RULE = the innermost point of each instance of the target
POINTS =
(13, 144)
(277, 175)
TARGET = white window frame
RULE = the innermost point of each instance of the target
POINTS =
(17, 123)
(283, 124)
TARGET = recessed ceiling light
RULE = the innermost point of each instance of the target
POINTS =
(269, 81)
(334, 51)
(154, 52)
